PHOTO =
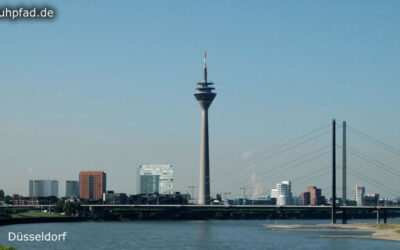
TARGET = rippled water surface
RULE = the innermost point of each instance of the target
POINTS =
(188, 235)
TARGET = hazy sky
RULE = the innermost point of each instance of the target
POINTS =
(109, 86)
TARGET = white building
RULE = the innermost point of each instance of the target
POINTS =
(282, 193)
(274, 193)
(43, 188)
(359, 193)
(156, 178)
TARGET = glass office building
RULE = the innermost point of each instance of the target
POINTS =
(72, 189)
(43, 188)
(154, 178)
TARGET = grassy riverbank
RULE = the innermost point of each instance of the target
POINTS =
(390, 231)
(37, 217)
(35, 214)
(6, 248)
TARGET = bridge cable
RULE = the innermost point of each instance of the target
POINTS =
(351, 172)
(278, 147)
(287, 163)
(375, 181)
(299, 164)
(374, 140)
(374, 162)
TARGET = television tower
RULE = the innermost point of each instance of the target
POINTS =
(204, 96)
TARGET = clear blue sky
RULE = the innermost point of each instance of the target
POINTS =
(108, 86)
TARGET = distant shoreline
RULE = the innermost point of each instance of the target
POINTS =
(11, 221)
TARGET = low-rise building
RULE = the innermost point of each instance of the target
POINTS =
(115, 198)
(176, 198)
(21, 200)
(371, 200)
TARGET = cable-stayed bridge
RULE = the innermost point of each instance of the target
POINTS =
(325, 153)
(364, 168)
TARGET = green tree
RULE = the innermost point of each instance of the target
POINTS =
(71, 208)
(7, 199)
(59, 208)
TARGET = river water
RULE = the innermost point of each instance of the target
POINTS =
(237, 234)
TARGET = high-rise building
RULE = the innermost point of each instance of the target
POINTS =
(43, 188)
(316, 197)
(156, 178)
(92, 185)
(1, 194)
(204, 95)
(72, 189)
(282, 193)
(289, 194)
(305, 198)
(359, 195)
(149, 184)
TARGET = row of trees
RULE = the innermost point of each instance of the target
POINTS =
(7, 199)
(68, 207)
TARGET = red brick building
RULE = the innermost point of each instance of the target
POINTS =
(305, 198)
(315, 196)
(92, 185)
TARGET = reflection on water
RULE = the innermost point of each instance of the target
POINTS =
(202, 235)
(204, 229)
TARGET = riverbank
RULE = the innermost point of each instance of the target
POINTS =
(389, 231)
(7, 247)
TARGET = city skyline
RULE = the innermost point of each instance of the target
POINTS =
(102, 105)
(282, 192)
(164, 174)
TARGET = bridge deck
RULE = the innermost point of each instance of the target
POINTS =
(241, 206)
(214, 206)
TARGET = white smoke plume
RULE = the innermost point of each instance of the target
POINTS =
(257, 187)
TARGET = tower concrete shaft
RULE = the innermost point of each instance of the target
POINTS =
(204, 96)
(204, 185)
